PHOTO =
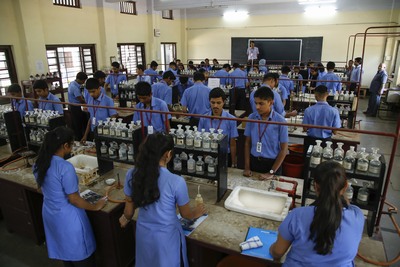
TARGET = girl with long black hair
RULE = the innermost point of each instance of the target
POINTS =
(326, 233)
(160, 241)
(69, 235)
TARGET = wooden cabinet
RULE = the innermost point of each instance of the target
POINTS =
(22, 211)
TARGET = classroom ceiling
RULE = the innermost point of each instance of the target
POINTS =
(207, 8)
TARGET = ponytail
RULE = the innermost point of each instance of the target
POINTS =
(330, 177)
(147, 168)
(53, 140)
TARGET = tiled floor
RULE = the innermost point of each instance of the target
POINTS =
(16, 251)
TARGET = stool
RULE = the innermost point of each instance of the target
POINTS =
(363, 92)
(239, 261)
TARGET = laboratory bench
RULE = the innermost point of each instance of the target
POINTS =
(218, 236)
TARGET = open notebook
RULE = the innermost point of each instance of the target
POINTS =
(267, 237)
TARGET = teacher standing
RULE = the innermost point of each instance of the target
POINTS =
(252, 54)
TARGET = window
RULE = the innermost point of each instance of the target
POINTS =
(68, 60)
(131, 55)
(128, 7)
(68, 3)
(167, 14)
(8, 74)
(168, 54)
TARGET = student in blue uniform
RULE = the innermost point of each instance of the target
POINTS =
(162, 89)
(20, 105)
(152, 71)
(114, 78)
(239, 83)
(69, 235)
(355, 76)
(195, 99)
(101, 77)
(42, 90)
(223, 74)
(150, 186)
(321, 73)
(217, 99)
(75, 97)
(147, 101)
(141, 77)
(326, 233)
(270, 80)
(266, 145)
(180, 88)
(97, 113)
(297, 80)
(376, 89)
(333, 82)
(286, 86)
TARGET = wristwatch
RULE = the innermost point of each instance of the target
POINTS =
(271, 172)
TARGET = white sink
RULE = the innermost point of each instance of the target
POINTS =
(260, 203)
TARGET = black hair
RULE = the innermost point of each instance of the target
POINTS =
(264, 93)
(143, 89)
(202, 70)
(216, 93)
(81, 76)
(198, 76)
(235, 65)
(269, 76)
(330, 177)
(99, 74)
(358, 59)
(153, 64)
(190, 62)
(302, 64)
(115, 64)
(40, 84)
(296, 67)
(330, 65)
(92, 83)
(226, 66)
(285, 69)
(144, 183)
(321, 89)
(172, 64)
(168, 74)
(183, 79)
(53, 140)
(321, 67)
(140, 67)
(14, 88)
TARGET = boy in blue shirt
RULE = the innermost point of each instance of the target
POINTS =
(101, 77)
(114, 78)
(97, 113)
(217, 99)
(223, 74)
(147, 101)
(141, 77)
(75, 97)
(162, 89)
(20, 105)
(286, 86)
(239, 83)
(152, 71)
(42, 90)
(266, 145)
(332, 81)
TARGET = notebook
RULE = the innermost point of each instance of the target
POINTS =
(267, 237)
(189, 225)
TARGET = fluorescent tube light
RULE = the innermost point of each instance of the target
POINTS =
(320, 11)
(236, 15)
(316, 2)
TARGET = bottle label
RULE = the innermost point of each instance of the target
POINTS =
(106, 132)
(112, 132)
(199, 168)
(197, 143)
(362, 197)
(180, 141)
(118, 132)
(189, 142)
(191, 166)
(130, 156)
(206, 145)
(211, 169)
(103, 150)
(214, 145)
(178, 166)
(99, 131)
(349, 195)
(362, 166)
(315, 160)
(347, 165)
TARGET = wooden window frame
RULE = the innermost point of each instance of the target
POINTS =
(169, 16)
(142, 45)
(128, 7)
(12, 72)
(67, 3)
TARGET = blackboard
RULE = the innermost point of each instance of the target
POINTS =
(311, 49)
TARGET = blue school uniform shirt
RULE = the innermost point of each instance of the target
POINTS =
(51, 106)
(162, 91)
(272, 138)
(143, 78)
(69, 235)
(334, 84)
(153, 74)
(321, 114)
(277, 106)
(239, 78)
(356, 74)
(100, 113)
(196, 99)
(113, 80)
(296, 229)
(74, 91)
(229, 126)
(157, 120)
(22, 106)
(87, 96)
(182, 87)
(285, 85)
(320, 77)
(159, 236)
(223, 75)
(296, 82)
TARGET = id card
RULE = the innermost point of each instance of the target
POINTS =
(115, 87)
(150, 129)
(94, 121)
(259, 147)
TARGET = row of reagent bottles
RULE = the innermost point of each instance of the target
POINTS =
(112, 128)
(115, 151)
(360, 161)
(207, 167)
(39, 116)
(362, 195)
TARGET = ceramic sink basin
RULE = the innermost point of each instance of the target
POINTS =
(260, 203)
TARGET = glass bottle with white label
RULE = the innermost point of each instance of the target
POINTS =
(189, 139)
(123, 152)
(180, 139)
(316, 153)
(211, 169)
(100, 128)
(191, 164)
(327, 153)
(206, 142)
(200, 165)
(172, 133)
(198, 141)
(363, 194)
(349, 159)
(113, 128)
(130, 152)
(338, 154)
(349, 191)
(375, 164)
(103, 149)
(214, 143)
(177, 163)
(362, 163)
